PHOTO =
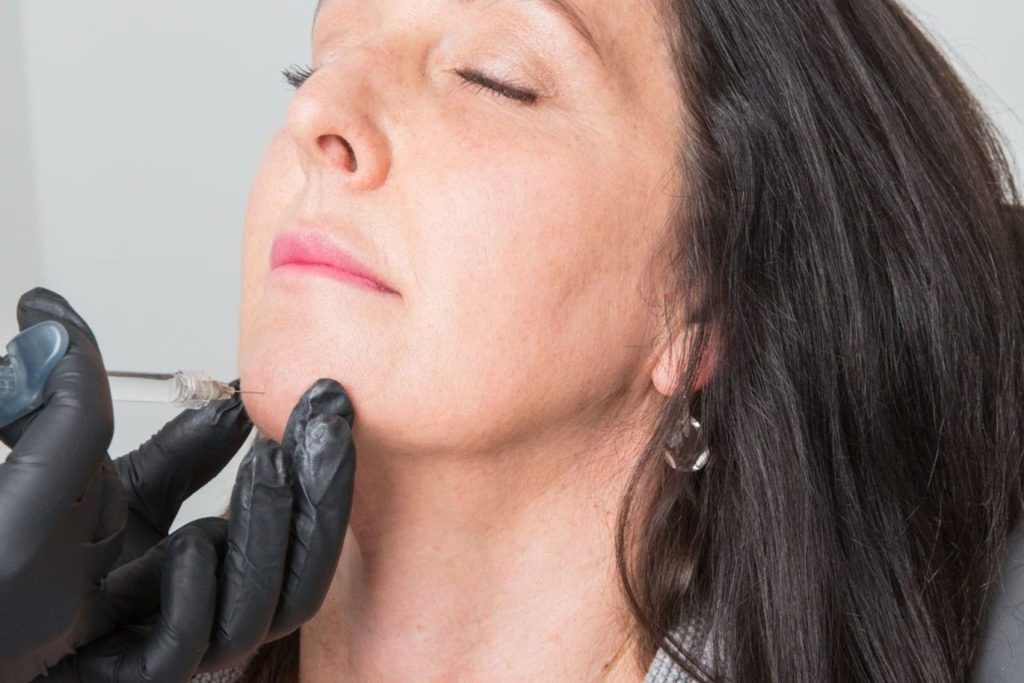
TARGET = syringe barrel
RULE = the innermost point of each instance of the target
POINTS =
(185, 388)
(140, 389)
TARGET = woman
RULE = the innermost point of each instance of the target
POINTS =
(782, 217)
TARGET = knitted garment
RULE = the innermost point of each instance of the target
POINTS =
(224, 676)
(663, 669)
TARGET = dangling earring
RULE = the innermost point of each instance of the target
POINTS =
(686, 434)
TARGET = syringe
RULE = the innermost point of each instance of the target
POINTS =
(34, 353)
(185, 388)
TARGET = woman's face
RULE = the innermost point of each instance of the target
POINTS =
(518, 238)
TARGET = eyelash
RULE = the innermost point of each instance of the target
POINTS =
(297, 75)
(478, 81)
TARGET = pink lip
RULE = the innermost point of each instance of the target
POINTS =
(314, 252)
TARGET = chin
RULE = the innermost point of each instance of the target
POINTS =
(267, 418)
(281, 388)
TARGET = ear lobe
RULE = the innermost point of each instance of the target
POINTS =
(667, 371)
(665, 375)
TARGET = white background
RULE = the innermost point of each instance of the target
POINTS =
(129, 133)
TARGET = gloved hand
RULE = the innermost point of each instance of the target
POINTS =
(62, 511)
(65, 519)
(287, 521)
(215, 587)
(277, 555)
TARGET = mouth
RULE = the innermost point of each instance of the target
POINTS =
(314, 253)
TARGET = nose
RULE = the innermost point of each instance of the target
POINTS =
(332, 122)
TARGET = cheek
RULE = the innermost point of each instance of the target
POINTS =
(530, 274)
(283, 360)
(519, 273)
(274, 189)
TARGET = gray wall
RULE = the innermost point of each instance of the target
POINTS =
(19, 269)
(147, 122)
(130, 132)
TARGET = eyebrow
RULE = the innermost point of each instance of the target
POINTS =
(562, 7)
(569, 12)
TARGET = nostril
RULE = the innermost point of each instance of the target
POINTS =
(338, 150)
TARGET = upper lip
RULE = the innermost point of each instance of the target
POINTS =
(318, 248)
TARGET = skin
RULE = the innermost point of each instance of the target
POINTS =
(504, 392)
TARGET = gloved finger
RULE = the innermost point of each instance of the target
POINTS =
(103, 524)
(253, 566)
(168, 651)
(128, 595)
(114, 505)
(96, 528)
(323, 458)
(37, 584)
(132, 591)
(183, 456)
(66, 536)
(59, 448)
(188, 593)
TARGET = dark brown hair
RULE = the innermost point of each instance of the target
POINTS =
(844, 227)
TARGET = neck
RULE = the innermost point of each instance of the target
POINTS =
(497, 568)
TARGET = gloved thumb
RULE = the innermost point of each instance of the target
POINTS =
(40, 304)
(326, 397)
(79, 382)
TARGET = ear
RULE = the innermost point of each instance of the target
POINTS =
(665, 375)
(667, 372)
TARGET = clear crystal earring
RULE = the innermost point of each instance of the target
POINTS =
(683, 438)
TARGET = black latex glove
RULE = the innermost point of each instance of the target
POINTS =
(66, 519)
(62, 510)
(277, 555)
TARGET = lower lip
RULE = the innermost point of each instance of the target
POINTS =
(332, 273)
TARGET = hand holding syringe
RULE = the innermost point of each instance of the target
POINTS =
(75, 518)
(33, 354)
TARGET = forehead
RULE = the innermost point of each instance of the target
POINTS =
(631, 37)
(636, 35)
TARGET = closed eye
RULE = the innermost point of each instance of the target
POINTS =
(296, 76)
(479, 81)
